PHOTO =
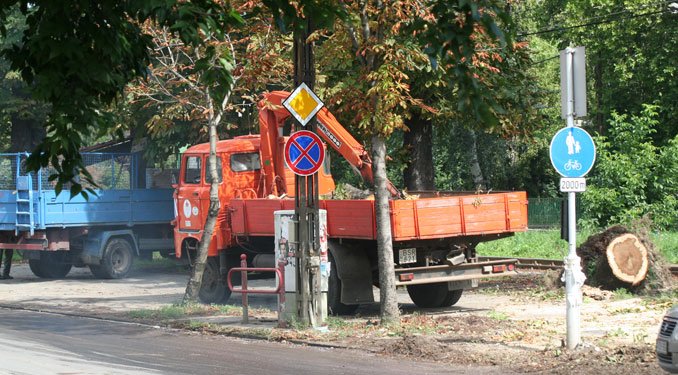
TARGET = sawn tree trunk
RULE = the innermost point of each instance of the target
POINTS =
(614, 258)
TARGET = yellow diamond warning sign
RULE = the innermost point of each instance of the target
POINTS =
(303, 104)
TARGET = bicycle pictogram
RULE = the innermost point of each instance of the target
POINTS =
(572, 165)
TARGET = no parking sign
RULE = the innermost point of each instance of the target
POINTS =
(304, 153)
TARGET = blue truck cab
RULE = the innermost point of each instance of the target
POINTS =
(130, 215)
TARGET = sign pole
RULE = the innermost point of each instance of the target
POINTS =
(306, 198)
(573, 276)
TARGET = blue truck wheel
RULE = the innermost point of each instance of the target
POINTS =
(51, 265)
(117, 260)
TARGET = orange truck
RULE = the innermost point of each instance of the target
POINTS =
(434, 233)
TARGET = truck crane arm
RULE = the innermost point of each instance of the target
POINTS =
(271, 118)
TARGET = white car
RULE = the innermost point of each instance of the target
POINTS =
(667, 342)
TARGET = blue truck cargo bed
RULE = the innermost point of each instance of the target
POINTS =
(110, 207)
(28, 202)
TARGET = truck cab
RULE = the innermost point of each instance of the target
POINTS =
(241, 176)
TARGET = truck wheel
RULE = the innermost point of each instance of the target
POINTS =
(452, 297)
(334, 305)
(117, 261)
(36, 267)
(433, 295)
(213, 288)
(97, 271)
(51, 265)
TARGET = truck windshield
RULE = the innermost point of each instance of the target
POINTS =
(245, 162)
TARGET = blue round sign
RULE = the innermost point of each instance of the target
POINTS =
(304, 153)
(572, 152)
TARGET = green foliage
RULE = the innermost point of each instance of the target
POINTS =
(78, 66)
(632, 177)
(291, 15)
(450, 35)
(667, 243)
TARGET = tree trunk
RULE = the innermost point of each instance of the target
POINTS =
(419, 173)
(195, 282)
(614, 259)
(387, 288)
(26, 134)
(476, 172)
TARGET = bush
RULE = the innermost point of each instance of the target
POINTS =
(632, 176)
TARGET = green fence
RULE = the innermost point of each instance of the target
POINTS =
(544, 212)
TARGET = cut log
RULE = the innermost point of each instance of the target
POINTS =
(627, 257)
(614, 258)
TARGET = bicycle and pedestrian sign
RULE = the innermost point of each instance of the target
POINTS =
(304, 153)
(572, 152)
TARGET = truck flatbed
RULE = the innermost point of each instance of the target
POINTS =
(447, 215)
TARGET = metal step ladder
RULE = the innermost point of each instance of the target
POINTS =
(24, 205)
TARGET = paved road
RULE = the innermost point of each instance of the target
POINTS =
(44, 343)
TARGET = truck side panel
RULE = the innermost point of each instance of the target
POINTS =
(110, 207)
(425, 218)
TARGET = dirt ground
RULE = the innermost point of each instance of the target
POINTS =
(517, 324)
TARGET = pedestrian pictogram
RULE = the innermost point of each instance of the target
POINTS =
(304, 153)
(303, 104)
(572, 152)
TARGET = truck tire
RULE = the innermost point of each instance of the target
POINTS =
(51, 265)
(36, 267)
(213, 288)
(117, 260)
(334, 305)
(433, 295)
(452, 297)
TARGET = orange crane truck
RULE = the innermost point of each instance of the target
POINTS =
(434, 233)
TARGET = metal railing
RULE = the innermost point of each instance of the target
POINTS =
(280, 290)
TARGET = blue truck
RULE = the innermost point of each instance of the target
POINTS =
(130, 216)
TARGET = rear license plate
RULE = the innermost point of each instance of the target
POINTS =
(662, 347)
(407, 256)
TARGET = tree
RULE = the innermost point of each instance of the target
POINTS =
(78, 56)
(180, 90)
(630, 50)
(169, 107)
(199, 82)
(633, 177)
(19, 114)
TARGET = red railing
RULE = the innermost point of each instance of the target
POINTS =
(280, 290)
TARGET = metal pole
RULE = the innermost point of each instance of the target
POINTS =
(243, 282)
(306, 197)
(573, 276)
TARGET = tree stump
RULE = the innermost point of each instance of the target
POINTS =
(614, 258)
(627, 257)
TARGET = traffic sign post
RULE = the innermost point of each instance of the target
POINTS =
(572, 153)
(303, 104)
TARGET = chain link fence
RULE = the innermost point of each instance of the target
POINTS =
(109, 171)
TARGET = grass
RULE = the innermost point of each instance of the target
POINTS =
(621, 294)
(178, 311)
(497, 315)
(547, 244)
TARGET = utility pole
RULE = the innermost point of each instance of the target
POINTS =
(572, 154)
(306, 196)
